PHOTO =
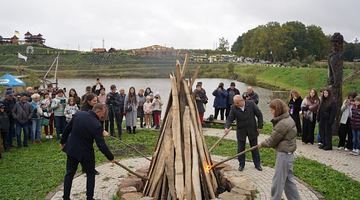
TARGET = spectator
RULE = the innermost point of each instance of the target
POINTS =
(148, 111)
(326, 119)
(87, 91)
(251, 95)
(140, 112)
(245, 111)
(283, 139)
(355, 126)
(4, 127)
(36, 118)
(22, 115)
(309, 107)
(232, 91)
(220, 101)
(130, 107)
(97, 87)
(102, 96)
(201, 100)
(148, 92)
(295, 108)
(345, 123)
(70, 109)
(48, 120)
(89, 101)
(58, 106)
(113, 102)
(73, 94)
(157, 107)
(9, 103)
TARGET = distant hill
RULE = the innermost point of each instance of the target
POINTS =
(85, 64)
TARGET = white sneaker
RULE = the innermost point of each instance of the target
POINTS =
(50, 136)
(346, 149)
(47, 137)
(340, 148)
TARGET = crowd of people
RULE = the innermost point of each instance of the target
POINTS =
(26, 115)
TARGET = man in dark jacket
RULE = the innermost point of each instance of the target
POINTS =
(232, 91)
(201, 100)
(9, 103)
(84, 127)
(115, 106)
(244, 112)
(97, 87)
(22, 114)
(251, 95)
(4, 127)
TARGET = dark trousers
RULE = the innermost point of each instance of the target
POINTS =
(255, 153)
(25, 128)
(345, 130)
(117, 115)
(71, 167)
(227, 112)
(11, 133)
(4, 135)
(308, 130)
(60, 124)
(325, 133)
(222, 110)
(296, 118)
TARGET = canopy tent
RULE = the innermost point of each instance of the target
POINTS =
(10, 81)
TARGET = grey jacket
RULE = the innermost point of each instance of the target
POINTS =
(22, 112)
(283, 136)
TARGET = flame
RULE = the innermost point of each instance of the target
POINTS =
(207, 168)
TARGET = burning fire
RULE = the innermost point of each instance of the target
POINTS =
(207, 168)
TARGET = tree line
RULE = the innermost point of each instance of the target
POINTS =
(292, 40)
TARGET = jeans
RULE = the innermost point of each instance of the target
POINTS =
(36, 130)
(356, 139)
(60, 124)
(222, 110)
(25, 129)
(118, 116)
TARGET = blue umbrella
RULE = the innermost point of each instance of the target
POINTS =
(11, 81)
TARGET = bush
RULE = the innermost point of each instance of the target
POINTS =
(308, 60)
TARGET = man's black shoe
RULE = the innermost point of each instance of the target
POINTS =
(96, 172)
(259, 168)
(241, 168)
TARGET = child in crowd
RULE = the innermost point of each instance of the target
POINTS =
(157, 104)
(4, 127)
(48, 116)
(70, 109)
(148, 111)
(355, 126)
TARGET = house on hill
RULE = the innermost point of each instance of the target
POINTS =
(34, 39)
(99, 50)
(154, 50)
(12, 40)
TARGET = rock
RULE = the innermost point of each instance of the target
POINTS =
(232, 196)
(132, 182)
(132, 196)
(126, 190)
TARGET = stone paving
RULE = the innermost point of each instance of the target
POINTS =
(110, 175)
(341, 161)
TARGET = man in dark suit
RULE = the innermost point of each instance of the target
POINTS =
(77, 141)
(245, 111)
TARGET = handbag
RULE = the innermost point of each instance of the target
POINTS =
(129, 108)
(45, 122)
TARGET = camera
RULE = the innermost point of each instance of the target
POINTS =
(62, 101)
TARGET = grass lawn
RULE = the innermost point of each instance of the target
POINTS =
(30, 173)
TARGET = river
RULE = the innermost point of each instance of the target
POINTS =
(162, 86)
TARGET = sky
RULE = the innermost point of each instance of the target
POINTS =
(190, 24)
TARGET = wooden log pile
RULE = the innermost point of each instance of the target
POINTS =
(180, 163)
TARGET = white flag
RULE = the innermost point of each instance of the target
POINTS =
(22, 56)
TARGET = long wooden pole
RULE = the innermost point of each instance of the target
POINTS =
(137, 151)
(241, 153)
(132, 172)
(217, 142)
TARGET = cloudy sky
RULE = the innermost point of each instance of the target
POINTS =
(129, 24)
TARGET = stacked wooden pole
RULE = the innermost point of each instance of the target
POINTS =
(180, 163)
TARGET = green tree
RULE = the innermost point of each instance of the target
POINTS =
(223, 44)
(237, 46)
